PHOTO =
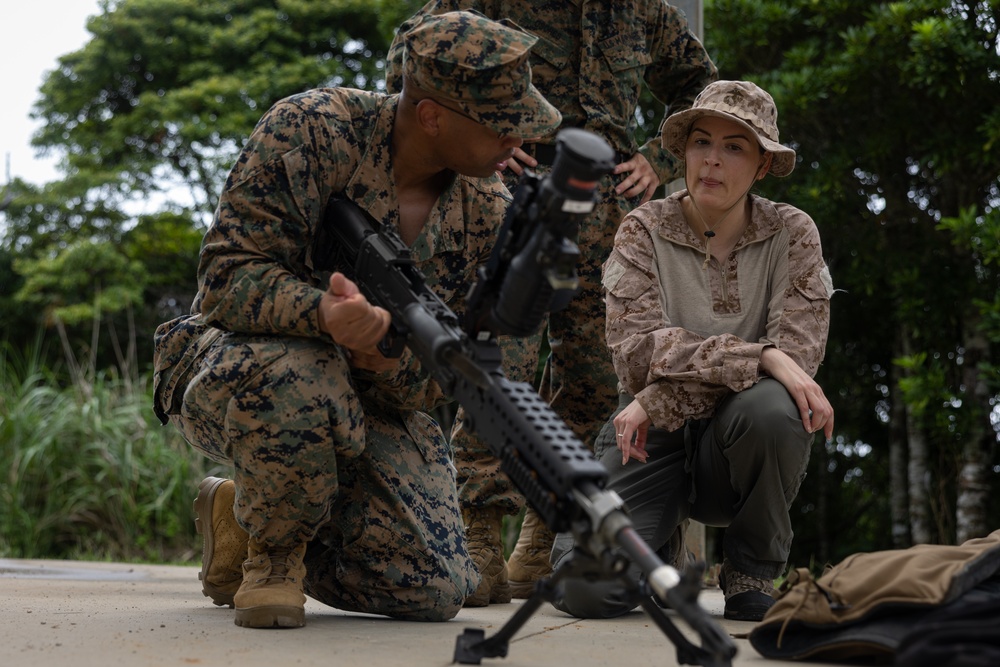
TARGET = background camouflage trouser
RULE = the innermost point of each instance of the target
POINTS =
(578, 379)
(371, 489)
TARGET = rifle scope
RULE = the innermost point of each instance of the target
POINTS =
(532, 270)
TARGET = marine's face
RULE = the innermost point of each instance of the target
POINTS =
(471, 148)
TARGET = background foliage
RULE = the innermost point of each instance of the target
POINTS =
(899, 167)
(88, 472)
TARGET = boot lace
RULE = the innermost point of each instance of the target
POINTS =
(278, 560)
(734, 582)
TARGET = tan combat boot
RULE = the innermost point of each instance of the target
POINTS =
(225, 543)
(530, 560)
(271, 593)
(482, 536)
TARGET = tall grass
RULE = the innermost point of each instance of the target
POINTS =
(87, 471)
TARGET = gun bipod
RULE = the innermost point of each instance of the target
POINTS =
(717, 650)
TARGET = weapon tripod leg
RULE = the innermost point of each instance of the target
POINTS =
(473, 645)
(722, 649)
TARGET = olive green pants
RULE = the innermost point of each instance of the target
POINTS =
(740, 470)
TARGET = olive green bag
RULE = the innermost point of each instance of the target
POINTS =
(870, 604)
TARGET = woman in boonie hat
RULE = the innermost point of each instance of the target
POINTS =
(718, 310)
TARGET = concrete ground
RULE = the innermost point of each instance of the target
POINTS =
(78, 614)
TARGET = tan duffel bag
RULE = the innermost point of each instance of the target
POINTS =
(921, 602)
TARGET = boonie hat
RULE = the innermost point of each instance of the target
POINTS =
(481, 67)
(740, 101)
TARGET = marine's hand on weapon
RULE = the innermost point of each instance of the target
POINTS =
(355, 324)
(386, 275)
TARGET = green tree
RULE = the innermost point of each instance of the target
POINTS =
(84, 284)
(166, 91)
(150, 114)
(875, 97)
(17, 317)
(43, 222)
(39, 219)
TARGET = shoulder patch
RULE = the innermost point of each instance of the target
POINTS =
(613, 271)
(827, 281)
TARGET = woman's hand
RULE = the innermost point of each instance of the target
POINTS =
(346, 316)
(632, 422)
(814, 408)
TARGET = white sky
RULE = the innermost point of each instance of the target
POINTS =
(33, 35)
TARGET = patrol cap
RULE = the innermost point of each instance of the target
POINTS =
(481, 67)
(742, 102)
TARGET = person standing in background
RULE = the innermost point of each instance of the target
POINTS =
(591, 62)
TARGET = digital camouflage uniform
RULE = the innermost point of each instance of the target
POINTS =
(344, 459)
(591, 61)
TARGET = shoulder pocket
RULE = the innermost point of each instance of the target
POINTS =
(269, 202)
(816, 285)
(623, 280)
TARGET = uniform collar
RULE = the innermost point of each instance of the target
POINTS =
(764, 222)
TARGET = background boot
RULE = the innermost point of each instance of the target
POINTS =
(482, 536)
(530, 560)
(271, 593)
(225, 543)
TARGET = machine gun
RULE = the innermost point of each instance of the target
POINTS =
(531, 271)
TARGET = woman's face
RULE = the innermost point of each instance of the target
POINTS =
(723, 161)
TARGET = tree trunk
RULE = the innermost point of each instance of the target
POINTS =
(919, 483)
(899, 493)
(918, 476)
(973, 491)
(973, 485)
